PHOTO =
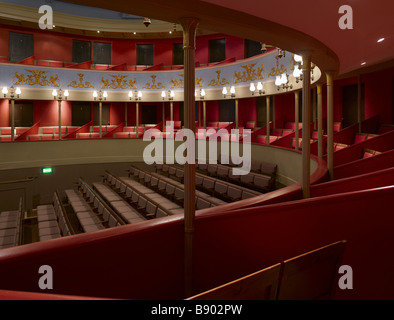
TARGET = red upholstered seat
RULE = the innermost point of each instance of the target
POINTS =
(34, 138)
(47, 130)
(6, 131)
(47, 137)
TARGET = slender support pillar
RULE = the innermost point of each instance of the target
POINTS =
(171, 111)
(204, 110)
(60, 119)
(314, 109)
(273, 113)
(297, 118)
(320, 121)
(267, 141)
(137, 117)
(359, 118)
(189, 26)
(236, 114)
(164, 114)
(125, 114)
(330, 125)
(101, 118)
(306, 121)
(12, 120)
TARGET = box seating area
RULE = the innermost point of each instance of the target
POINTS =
(87, 218)
(172, 189)
(221, 189)
(10, 227)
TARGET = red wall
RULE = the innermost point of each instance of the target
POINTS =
(4, 113)
(47, 113)
(246, 110)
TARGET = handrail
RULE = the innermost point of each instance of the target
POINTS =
(32, 130)
(82, 129)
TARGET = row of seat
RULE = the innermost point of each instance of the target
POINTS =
(257, 166)
(48, 227)
(87, 218)
(109, 217)
(10, 225)
(62, 219)
(143, 198)
(253, 180)
(122, 208)
(172, 189)
(222, 189)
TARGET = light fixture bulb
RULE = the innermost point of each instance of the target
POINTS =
(224, 91)
(105, 94)
(232, 90)
(297, 58)
(130, 94)
(139, 94)
(94, 94)
(278, 81)
(54, 92)
(172, 94)
(18, 91)
(259, 86)
(163, 94)
(202, 93)
(252, 87)
(283, 79)
(66, 93)
(5, 90)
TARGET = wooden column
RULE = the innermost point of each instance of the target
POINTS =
(236, 113)
(267, 99)
(12, 119)
(60, 118)
(330, 125)
(297, 118)
(137, 119)
(189, 26)
(101, 118)
(320, 121)
(164, 114)
(171, 111)
(306, 120)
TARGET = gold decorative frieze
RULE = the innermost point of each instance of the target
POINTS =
(278, 70)
(177, 82)
(36, 77)
(153, 85)
(218, 81)
(81, 84)
(199, 82)
(118, 82)
(249, 74)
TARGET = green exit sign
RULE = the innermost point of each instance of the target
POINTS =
(47, 170)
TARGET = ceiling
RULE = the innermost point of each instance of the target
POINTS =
(297, 26)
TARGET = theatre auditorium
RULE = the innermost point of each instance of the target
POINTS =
(196, 150)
